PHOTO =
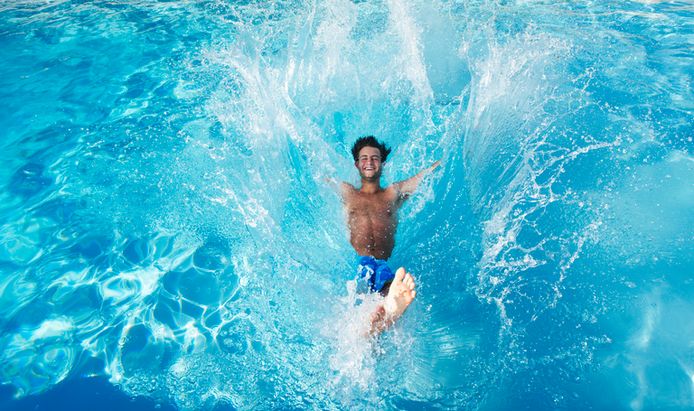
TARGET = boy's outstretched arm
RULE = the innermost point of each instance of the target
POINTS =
(406, 187)
(339, 186)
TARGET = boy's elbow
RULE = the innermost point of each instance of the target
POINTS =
(407, 190)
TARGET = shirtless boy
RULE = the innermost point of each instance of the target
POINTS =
(372, 219)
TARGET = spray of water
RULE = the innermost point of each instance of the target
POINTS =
(171, 228)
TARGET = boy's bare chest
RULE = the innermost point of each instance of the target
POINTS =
(371, 205)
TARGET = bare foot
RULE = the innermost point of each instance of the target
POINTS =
(400, 296)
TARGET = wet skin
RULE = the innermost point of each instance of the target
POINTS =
(372, 212)
(372, 218)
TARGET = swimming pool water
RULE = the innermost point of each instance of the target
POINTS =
(165, 224)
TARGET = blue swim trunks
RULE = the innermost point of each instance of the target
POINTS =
(373, 272)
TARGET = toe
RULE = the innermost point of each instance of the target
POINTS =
(399, 275)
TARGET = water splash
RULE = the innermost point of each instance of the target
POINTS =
(168, 226)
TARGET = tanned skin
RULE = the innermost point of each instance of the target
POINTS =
(372, 218)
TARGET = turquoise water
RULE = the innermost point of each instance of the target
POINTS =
(165, 224)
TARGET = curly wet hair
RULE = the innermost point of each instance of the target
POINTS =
(369, 141)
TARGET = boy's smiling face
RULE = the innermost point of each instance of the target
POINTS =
(369, 163)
